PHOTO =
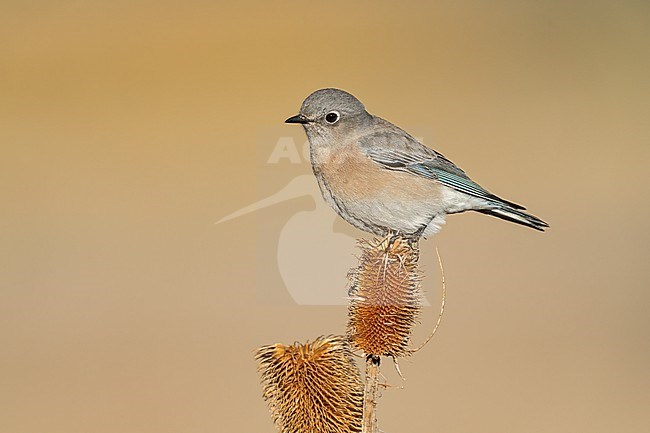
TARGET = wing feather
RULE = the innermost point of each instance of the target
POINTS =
(397, 150)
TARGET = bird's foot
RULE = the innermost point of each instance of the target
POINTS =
(394, 236)
(411, 237)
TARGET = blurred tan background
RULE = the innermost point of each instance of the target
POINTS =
(128, 128)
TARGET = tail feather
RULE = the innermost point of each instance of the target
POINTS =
(516, 216)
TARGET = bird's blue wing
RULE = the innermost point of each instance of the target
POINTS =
(396, 150)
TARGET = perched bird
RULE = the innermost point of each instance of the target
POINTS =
(380, 179)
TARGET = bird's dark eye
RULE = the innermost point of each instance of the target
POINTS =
(332, 117)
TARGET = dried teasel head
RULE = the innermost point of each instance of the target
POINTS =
(385, 296)
(312, 387)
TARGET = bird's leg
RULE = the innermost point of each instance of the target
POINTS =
(416, 234)
(413, 240)
(414, 237)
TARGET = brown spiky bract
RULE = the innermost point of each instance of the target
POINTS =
(312, 387)
(385, 296)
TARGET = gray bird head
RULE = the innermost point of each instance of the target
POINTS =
(330, 113)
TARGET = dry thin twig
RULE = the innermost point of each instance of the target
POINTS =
(442, 305)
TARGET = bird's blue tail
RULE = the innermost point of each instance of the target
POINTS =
(516, 216)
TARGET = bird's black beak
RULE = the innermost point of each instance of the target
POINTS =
(297, 119)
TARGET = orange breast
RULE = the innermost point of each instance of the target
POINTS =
(354, 176)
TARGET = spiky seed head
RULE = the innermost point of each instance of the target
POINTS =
(385, 296)
(312, 387)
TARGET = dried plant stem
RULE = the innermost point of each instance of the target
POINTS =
(370, 395)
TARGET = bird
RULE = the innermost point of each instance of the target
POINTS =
(382, 180)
